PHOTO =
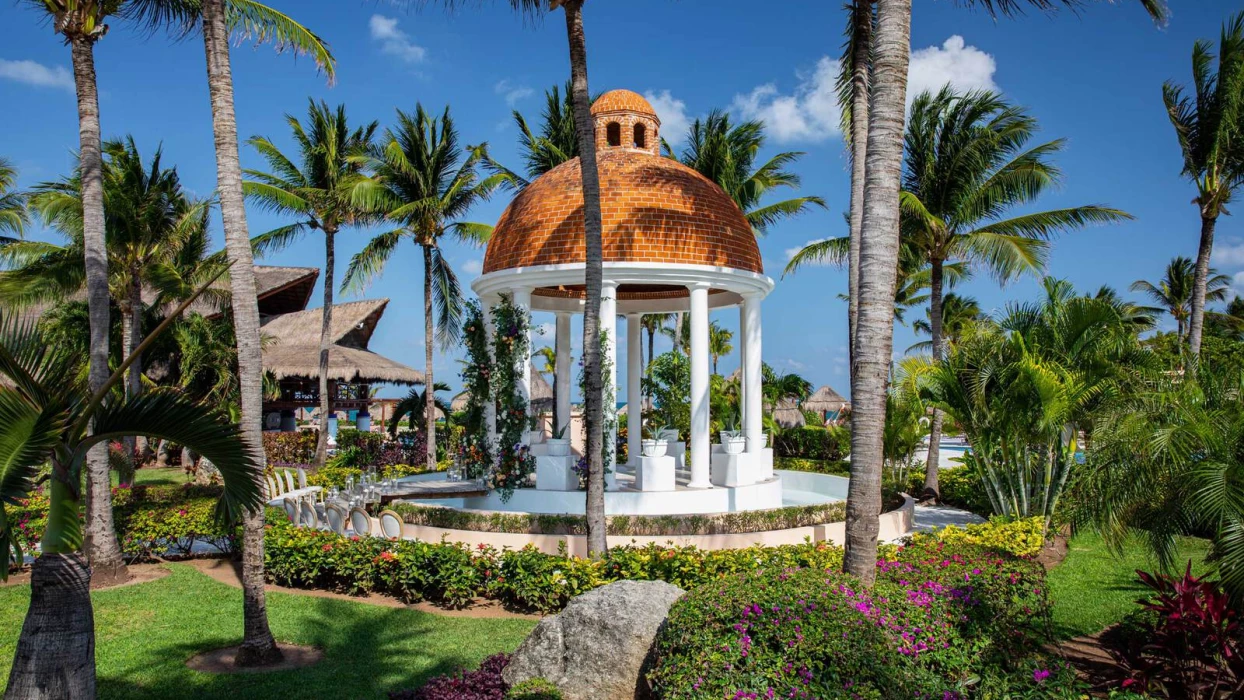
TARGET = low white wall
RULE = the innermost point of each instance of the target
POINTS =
(894, 524)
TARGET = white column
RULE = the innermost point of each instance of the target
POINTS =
(753, 428)
(742, 367)
(564, 388)
(522, 303)
(609, 328)
(490, 404)
(634, 395)
(701, 456)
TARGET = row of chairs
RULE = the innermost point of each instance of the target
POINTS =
(330, 516)
(283, 483)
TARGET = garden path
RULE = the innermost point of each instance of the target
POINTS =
(936, 517)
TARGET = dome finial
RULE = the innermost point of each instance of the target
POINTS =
(624, 119)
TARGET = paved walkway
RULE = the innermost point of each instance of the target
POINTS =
(933, 517)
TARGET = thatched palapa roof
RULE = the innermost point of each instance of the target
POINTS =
(541, 394)
(825, 400)
(788, 415)
(292, 346)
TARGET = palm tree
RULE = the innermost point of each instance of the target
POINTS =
(968, 164)
(1208, 125)
(157, 243)
(548, 366)
(50, 416)
(415, 406)
(719, 342)
(557, 142)
(726, 154)
(1174, 293)
(424, 184)
(853, 88)
(14, 216)
(316, 189)
(654, 324)
(874, 332)
(217, 19)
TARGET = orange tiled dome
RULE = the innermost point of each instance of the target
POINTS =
(654, 209)
(623, 101)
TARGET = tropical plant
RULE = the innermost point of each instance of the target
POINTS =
(548, 357)
(968, 165)
(13, 214)
(726, 154)
(1173, 293)
(557, 142)
(776, 387)
(652, 325)
(219, 20)
(957, 313)
(317, 188)
(413, 406)
(423, 184)
(52, 417)
(853, 88)
(1166, 462)
(719, 342)
(1022, 390)
(904, 429)
(1208, 124)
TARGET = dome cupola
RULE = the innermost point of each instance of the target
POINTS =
(624, 119)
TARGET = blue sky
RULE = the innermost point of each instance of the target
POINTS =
(1092, 78)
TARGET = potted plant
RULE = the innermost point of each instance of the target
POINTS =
(652, 445)
(535, 432)
(732, 440)
(668, 435)
(559, 444)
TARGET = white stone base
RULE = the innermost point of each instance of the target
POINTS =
(656, 474)
(677, 450)
(741, 469)
(555, 473)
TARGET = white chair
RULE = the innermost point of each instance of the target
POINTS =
(291, 510)
(273, 491)
(390, 525)
(310, 518)
(289, 480)
(302, 478)
(336, 517)
(360, 521)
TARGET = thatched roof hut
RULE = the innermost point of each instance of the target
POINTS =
(292, 346)
(541, 394)
(460, 401)
(825, 400)
(788, 415)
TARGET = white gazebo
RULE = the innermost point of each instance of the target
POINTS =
(673, 241)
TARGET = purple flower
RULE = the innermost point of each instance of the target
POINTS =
(1040, 675)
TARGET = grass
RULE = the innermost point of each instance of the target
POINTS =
(146, 632)
(1093, 587)
(152, 476)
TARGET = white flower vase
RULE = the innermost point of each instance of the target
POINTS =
(653, 448)
(558, 447)
(735, 445)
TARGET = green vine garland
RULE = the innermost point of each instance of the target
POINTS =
(474, 454)
(609, 409)
(510, 351)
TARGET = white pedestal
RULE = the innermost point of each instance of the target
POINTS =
(735, 470)
(611, 479)
(766, 464)
(655, 473)
(678, 450)
(555, 474)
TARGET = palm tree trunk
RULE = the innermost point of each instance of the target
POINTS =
(132, 337)
(874, 333)
(862, 27)
(1199, 283)
(652, 334)
(931, 487)
(258, 645)
(429, 394)
(594, 279)
(326, 323)
(55, 658)
(102, 549)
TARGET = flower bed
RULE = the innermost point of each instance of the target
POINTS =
(825, 444)
(938, 623)
(623, 525)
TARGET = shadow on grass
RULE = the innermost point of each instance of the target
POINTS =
(369, 651)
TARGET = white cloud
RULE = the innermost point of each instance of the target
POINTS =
(37, 74)
(511, 92)
(672, 113)
(394, 41)
(792, 252)
(473, 267)
(965, 67)
(1229, 253)
(1237, 284)
(810, 112)
(546, 330)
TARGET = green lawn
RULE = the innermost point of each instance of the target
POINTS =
(1093, 588)
(152, 476)
(147, 631)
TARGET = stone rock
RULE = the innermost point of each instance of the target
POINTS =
(599, 647)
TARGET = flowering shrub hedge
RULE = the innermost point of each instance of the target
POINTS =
(289, 448)
(453, 574)
(484, 683)
(935, 625)
(335, 475)
(623, 525)
(830, 444)
(1021, 538)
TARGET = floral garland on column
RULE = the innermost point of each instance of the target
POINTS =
(474, 454)
(608, 403)
(510, 351)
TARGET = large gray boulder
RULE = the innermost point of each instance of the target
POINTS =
(598, 647)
